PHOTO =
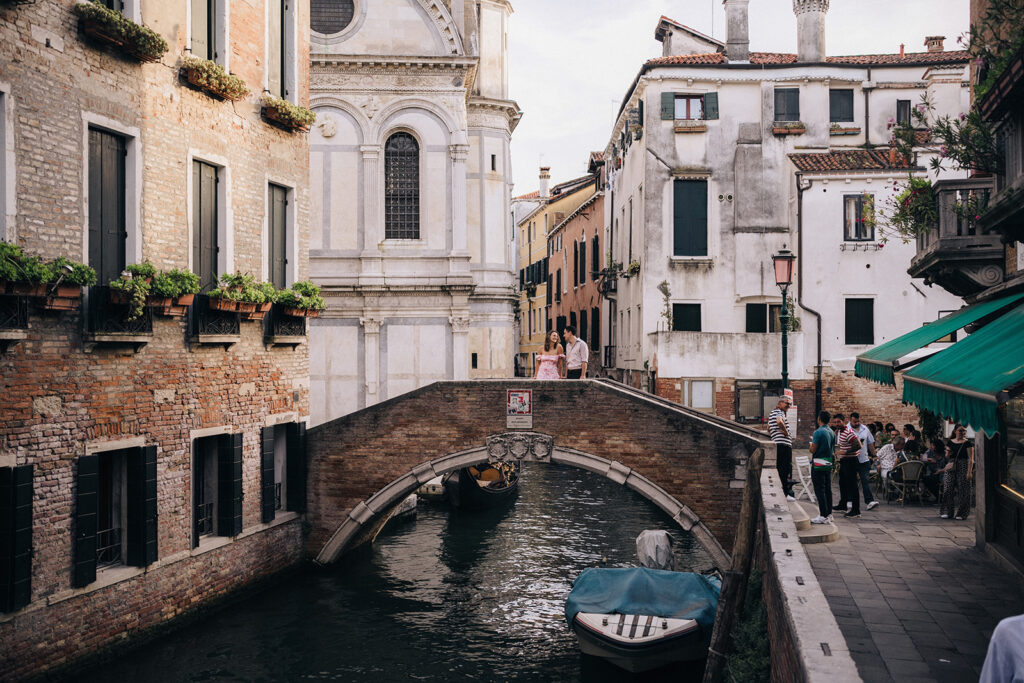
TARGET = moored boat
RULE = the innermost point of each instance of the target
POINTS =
(481, 486)
(641, 619)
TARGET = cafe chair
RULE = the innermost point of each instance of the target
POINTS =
(802, 470)
(910, 485)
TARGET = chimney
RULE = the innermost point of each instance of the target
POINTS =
(737, 34)
(934, 43)
(545, 176)
(810, 29)
(902, 46)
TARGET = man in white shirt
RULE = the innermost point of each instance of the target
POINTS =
(867, 450)
(576, 354)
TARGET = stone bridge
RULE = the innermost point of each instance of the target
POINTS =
(690, 464)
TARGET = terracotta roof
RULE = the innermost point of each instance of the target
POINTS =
(658, 35)
(908, 59)
(847, 160)
(529, 195)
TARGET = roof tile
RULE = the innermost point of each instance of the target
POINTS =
(909, 58)
(846, 160)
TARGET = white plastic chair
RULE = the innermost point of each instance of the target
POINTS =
(802, 465)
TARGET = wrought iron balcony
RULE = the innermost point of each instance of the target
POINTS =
(283, 330)
(609, 283)
(958, 254)
(13, 320)
(209, 325)
(109, 319)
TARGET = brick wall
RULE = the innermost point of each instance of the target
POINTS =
(58, 397)
(682, 451)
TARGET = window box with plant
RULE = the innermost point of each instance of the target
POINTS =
(286, 115)
(632, 270)
(211, 78)
(839, 129)
(133, 288)
(788, 128)
(241, 293)
(173, 291)
(113, 29)
(302, 300)
(58, 283)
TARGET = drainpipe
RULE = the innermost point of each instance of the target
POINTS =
(800, 282)
(867, 115)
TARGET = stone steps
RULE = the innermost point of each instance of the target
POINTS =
(811, 533)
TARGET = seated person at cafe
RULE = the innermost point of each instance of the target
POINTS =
(934, 460)
(889, 456)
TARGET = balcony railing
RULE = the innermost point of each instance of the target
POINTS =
(13, 312)
(957, 254)
(110, 319)
(212, 326)
(280, 329)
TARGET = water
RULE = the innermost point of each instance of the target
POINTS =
(448, 597)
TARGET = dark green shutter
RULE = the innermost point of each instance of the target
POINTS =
(690, 218)
(204, 223)
(296, 465)
(668, 106)
(711, 105)
(86, 502)
(141, 524)
(15, 537)
(229, 485)
(277, 239)
(757, 320)
(107, 227)
(860, 321)
(583, 262)
(267, 474)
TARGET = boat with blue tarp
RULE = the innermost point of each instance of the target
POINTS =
(641, 619)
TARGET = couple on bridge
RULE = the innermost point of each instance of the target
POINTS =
(556, 363)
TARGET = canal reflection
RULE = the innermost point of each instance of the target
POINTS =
(450, 596)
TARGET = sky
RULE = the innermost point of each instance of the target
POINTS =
(571, 61)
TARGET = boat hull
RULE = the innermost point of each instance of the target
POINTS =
(679, 644)
(462, 491)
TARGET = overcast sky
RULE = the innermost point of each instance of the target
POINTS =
(572, 60)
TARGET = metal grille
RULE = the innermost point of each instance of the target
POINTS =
(107, 317)
(281, 325)
(204, 518)
(208, 321)
(609, 356)
(108, 547)
(330, 16)
(13, 313)
(402, 188)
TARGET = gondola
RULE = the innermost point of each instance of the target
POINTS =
(641, 619)
(482, 486)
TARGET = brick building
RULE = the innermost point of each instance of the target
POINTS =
(147, 467)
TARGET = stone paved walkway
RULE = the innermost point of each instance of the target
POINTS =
(914, 598)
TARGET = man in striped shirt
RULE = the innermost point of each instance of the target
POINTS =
(778, 429)
(847, 448)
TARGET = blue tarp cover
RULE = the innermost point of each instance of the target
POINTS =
(638, 590)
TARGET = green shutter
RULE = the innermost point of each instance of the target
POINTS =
(229, 485)
(668, 106)
(711, 105)
(86, 503)
(296, 465)
(690, 218)
(15, 537)
(267, 474)
(141, 522)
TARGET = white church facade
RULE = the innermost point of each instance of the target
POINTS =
(411, 228)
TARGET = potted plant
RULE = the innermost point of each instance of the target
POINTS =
(113, 29)
(222, 300)
(131, 290)
(302, 300)
(837, 129)
(211, 78)
(633, 269)
(186, 283)
(145, 271)
(23, 275)
(263, 296)
(286, 115)
(64, 284)
(788, 128)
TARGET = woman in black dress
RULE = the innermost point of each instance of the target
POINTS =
(956, 495)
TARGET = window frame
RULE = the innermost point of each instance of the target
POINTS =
(225, 242)
(288, 59)
(858, 200)
(399, 233)
(219, 35)
(843, 117)
(862, 339)
(781, 114)
(677, 308)
(8, 167)
(903, 115)
(688, 98)
(290, 238)
(686, 393)
(684, 216)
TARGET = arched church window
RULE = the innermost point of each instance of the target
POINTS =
(330, 16)
(401, 187)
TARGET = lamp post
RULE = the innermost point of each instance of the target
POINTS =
(783, 262)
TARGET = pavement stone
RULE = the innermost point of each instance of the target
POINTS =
(912, 595)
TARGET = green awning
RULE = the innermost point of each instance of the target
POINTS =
(880, 363)
(968, 381)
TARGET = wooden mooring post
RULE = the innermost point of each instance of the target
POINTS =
(734, 580)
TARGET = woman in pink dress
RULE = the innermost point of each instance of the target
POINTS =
(551, 359)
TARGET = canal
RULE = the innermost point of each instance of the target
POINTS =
(449, 596)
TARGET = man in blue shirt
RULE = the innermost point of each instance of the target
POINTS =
(1005, 660)
(823, 444)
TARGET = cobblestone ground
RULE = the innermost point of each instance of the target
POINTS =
(914, 598)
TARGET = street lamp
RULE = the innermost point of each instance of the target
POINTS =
(783, 262)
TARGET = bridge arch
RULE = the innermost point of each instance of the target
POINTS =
(540, 449)
(692, 465)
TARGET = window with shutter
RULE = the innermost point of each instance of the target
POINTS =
(575, 264)
(668, 106)
(690, 217)
(572, 320)
(595, 327)
(903, 112)
(558, 286)
(584, 328)
(205, 180)
(689, 107)
(204, 29)
(787, 104)
(85, 511)
(860, 321)
(267, 482)
(204, 487)
(107, 227)
(686, 318)
(276, 45)
(140, 536)
(296, 466)
(711, 105)
(595, 256)
(229, 485)
(583, 261)
(757, 318)
(16, 489)
(858, 223)
(277, 227)
(840, 105)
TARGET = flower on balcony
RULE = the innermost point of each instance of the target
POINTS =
(211, 78)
